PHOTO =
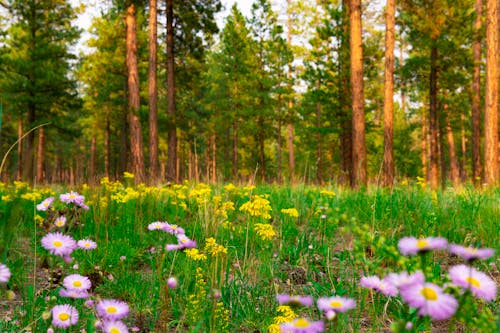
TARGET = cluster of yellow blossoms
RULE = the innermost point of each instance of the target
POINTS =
(257, 206)
(285, 314)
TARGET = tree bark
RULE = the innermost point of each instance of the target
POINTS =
(235, 151)
(345, 112)
(107, 144)
(290, 137)
(388, 162)
(359, 177)
(153, 94)
(172, 131)
(214, 159)
(454, 165)
(476, 95)
(433, 171)
(262, 154)
(28, 158)
(20, 149)
(40, 157)
(138, 168)
(491, 103)
(279, 143)
(91, 177)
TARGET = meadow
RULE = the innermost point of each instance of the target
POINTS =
(236, 258)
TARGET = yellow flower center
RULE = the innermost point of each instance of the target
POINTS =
(46, 204)
(60, 223)
(429, 294)
(301, 322)
(77, 284)
(473, 282)
(72, 196)
(471, 250)
(158, 226)
(114, 330)
(421, 243)
(174, 227)
(57, 243)
(63, 316)
(86, 244)
(336, 304)
(111, 309)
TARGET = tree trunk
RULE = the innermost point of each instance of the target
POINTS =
(388, 163)
(476, 95)
(345, 114)
(491, 103)
(424, 146)
(359, 177)
(433, 120)
(107, 144)
(290, 137)
(153, 94)
(279, 143)
(138, 168)
(172, 132)
(20, 149)
(124, 145)
(235, 151)
(214, 159)
(91, 177)
(463, 144)
(28, 159)
(454, 165)
(40, 157)
(262, 154)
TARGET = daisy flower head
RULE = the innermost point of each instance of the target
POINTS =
(185, 242)
(4, 273)
(115, 326)
(173, 247)
(157, 225)
(110, 309)
(384, 286)
(470, 253)
(58, 244)
(480, 284)
(72, 197)
(64, 316)
(60, 221)
(86, 244)
(302, 325)
(174, 229)
(412, 245)
(285, 299)
(404, 279)
(45, 204)
(72, 293)
(77, 282)
(430, 300)
(336, 303)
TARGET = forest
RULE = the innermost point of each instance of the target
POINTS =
(317, 91)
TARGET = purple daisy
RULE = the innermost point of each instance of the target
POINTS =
(72, 197)
(64, 316)
(4, 273)
(173, 247)
(86, 244)
(71, 293)
(404, 279)
(470, 253)
(45, 204)
(302, 325)
(110, 309)
(412, 245)
(60, 221)
(174, 229)
(115, 326)
(480, 284)
(58, 244)
(294, 300)
(430, 300)
(336, 303)
(185, 242)
(157, 225)
(384, 286)
(77, 282)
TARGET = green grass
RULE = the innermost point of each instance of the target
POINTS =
(335, 240)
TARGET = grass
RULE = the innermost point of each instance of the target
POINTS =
(339, 236)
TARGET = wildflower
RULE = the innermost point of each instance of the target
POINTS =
(4, 273)
(336, 303)
(60, 221)
(383, 286)
(86, 244)
(430, 300)
(403, 279)
(257, 206)
(45, 204)
(470, 253)
(173, 229)
(115, 326)
(302, 325)
(292, 212)
(285, 299)
(89, 303)
(195, 254)
(64, 316)
(72, 293)
(111, 309)
(327, 193)
(72, 197)
(77, 282)
(265, 231)
(185, 242)
(172, 282)
(412, 245)
(480, 284)
(213, 248)
(58, 244)
(157, 226)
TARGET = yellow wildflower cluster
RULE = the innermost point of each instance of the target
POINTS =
(213, 248)
(292, 212)
(196, 302)
(109, 186)
(248, 189)
(265, 231)
(257, 206)
(127, 194)
(195, 254)
(221, 319)
(231, 189)
(200, 193)
(327, 193)
(32, 196)
(128, 175)
(20, 186)
(285, 314)
(223, 209)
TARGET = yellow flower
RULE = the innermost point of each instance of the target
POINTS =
(230, 188)
(195, 254)
(257, 206)
(7, 198)
(292, 212)
(31, 196)
(285, 314)
(327, 193)
(213, 248)
(265, 231)
(128, 175)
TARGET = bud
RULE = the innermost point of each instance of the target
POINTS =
(46, 315)
(172, 283)
(330, 314)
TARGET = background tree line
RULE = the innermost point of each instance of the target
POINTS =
(316, 91)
